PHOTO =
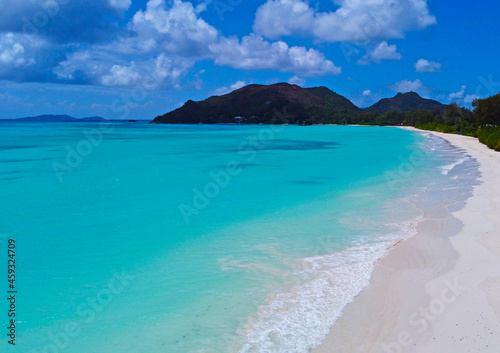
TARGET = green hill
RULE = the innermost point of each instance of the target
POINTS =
(254, 104)
(406, 102)
(267, 104)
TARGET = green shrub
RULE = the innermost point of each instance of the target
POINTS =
(428, 126)
(490, 136)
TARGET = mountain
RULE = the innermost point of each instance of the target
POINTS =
(253, 104)
(406, 102)
(60, 119)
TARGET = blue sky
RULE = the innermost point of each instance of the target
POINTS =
(131, 59)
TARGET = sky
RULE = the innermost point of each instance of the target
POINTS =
(136, 59)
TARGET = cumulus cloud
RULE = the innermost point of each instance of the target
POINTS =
(270, 20)
(364, 98)
(172, 30)
(75, 64)
(470, 98)
(180, 31)
(12, 53)
(20, 60)
(296, 80)
(120, 4)
(352, 21)
(253, 52)
(223, 90)
(381, 51)
(424, 65)
(101, 68)
(458, 95)
(121, 75)
(161, 41)
(409, 86)
(236, 85)
(384, 51)
(461, 96)
(159, 48)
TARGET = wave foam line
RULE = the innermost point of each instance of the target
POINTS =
(296, 321)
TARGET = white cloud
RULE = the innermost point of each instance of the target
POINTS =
(12, 55)
(237, 84)
(470, 98)
(458, 95)
(120, 4)
(461, 96)
(296, 80)
(180, 31)
(176, 30)
(252, 52)
(178, 38)
(283, 17)
(223, 90)
(102, 68)
(381, 51)
(424, 65)
(78, 61)
(364, 98)
(12, 52)
(121, 76)
(384, 51)
(353, 20)
(408, 86)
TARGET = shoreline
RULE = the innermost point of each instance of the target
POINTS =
(436, 291)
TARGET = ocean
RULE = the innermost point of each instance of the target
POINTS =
(206, 238)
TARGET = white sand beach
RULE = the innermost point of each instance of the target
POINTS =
(438, 291)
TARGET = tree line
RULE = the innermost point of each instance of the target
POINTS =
(483, 121)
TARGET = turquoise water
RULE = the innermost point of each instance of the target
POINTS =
(147, 238)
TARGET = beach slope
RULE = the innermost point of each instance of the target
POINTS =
(437, 291)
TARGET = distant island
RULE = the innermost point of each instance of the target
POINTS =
(59, 119)
(50, 118)
(259, 104)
